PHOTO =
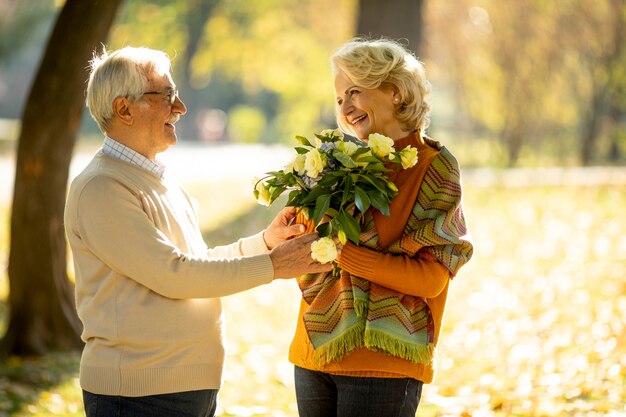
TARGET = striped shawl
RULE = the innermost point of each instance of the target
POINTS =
(347, 312)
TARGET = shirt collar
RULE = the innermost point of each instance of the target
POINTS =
(115, 149)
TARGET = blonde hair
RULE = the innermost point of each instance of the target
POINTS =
(123, 73)
(385, 63)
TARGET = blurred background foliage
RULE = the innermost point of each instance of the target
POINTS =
(536, 325)
(522, 83)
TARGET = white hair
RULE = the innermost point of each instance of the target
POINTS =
(385, 63)
(123, 73)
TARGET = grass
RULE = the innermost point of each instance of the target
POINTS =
(535, 323)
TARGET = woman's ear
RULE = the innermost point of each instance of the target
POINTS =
(393, 91)
(396, 95)
(122, 110)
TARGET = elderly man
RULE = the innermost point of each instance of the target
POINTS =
(147, 286)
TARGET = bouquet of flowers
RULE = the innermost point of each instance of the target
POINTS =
(334, 181)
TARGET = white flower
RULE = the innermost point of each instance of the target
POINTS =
(381, 145)
(335, 133)
(313, 164)
(338, 133)
(262, 193)
(324, 250)
(408, 156)
(297, 165)
(347, 147)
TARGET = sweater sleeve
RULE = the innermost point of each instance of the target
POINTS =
(437, 223)
(248, 246)
(420, 277)
(113, 227)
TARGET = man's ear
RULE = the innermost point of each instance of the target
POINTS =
(122, 110)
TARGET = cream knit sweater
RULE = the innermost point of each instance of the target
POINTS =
(147, 286)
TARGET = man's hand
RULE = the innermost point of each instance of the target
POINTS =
(282, 228)
(292, 258)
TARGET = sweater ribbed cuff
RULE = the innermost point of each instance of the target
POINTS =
(259, 269)
(358, 260)
(254, 245)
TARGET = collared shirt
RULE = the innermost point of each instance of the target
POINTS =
(115, 149)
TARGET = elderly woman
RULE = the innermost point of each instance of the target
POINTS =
(365, 342)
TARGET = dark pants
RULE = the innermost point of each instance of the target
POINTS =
(324, 395)
(181, 404)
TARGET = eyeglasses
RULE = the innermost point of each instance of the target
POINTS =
(171, 94)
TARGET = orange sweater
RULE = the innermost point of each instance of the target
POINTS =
(419, 277)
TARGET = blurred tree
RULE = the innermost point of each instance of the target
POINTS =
(277, 52)
(196, 16)
(24, 28)
(596, 32)
(395, 19)
(525, 57)
(41, 298)
(503, 60)
(18, 20)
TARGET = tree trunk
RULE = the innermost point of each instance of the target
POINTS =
(513, 137)
(590, 128)
(394, 19)
(198, 13)
(616, 115)
(41, 298)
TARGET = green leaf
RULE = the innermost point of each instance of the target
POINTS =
(301, 150)
(332, 213)
(347, 190)
(378, 167)
(328, 180)
(379, 184)
(350, 226)
(370, 159)
(324, 229)
(303, 141)
(360, 151)
(344, 159)
(300, 183)
(361, 199)
(276, 192)
(325, 138)
(322, 203)
(295, 196)
(313, 194)
(379, 201)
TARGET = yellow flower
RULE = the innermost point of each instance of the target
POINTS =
(324, 250)
(262, 193)
(380, 145)
(313, 163)
(408, 156)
